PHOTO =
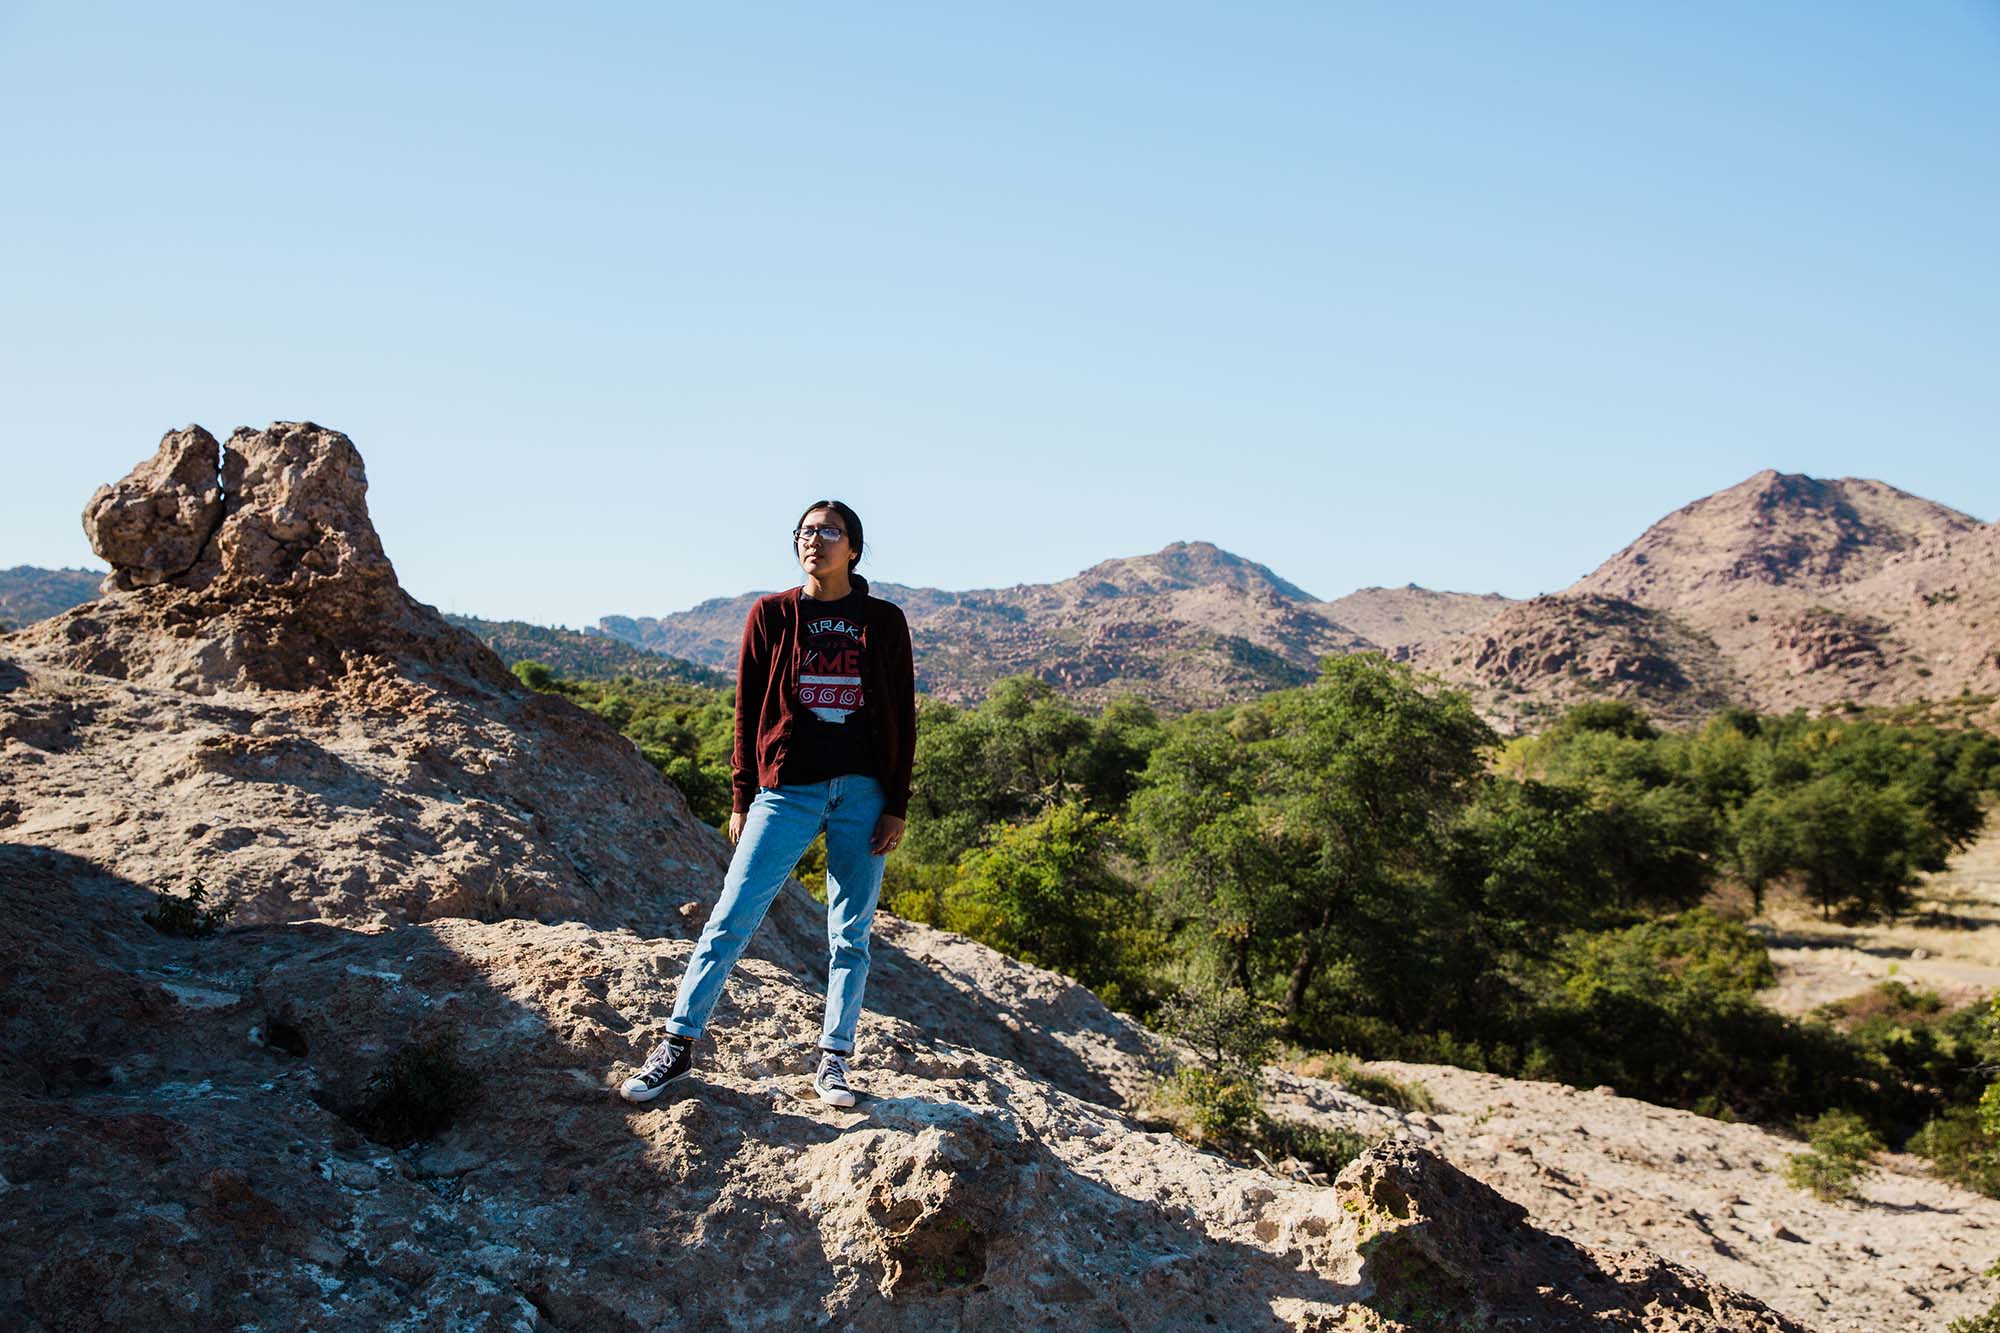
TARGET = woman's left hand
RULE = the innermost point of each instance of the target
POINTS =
(888, 835)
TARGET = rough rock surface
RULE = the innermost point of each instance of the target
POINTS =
(184, 1124)
(1539, 656)
(185, 1145)
(155, 523)
(1425, 1226)
(1609, 1172)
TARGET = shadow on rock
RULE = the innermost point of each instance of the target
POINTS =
(1443, 1250)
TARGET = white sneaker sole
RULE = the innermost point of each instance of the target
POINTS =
(835, 1096)
(632, 1090)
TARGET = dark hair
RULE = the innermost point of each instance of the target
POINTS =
(848, 518)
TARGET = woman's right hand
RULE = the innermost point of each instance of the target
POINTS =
(736, 818)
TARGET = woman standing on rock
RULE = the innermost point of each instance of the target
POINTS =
(826, 735)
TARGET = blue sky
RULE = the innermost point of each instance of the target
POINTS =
(1459, 294)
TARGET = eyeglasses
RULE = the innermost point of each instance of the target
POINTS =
(825, 534)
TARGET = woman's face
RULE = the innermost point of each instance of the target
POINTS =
(817, 555)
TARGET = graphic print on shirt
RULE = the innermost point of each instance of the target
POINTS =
(830, 670)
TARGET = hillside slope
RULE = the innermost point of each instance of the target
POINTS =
(1402, 618)
(28, 594)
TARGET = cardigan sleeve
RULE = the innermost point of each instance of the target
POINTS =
(903, 689)
(753, 673)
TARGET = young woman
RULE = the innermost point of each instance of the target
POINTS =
(826, 733)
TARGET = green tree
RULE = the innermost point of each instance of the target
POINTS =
(535, 675)
(1300, 836)
(1368, 772)
(1657, 836)
(1219, 875)
(1025, 749)
(1853, 847)
(1046, 892)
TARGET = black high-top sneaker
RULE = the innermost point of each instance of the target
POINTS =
(670, 1062)
(831, 1081)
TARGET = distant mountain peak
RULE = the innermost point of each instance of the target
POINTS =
(1772, 528)
(1194, 564)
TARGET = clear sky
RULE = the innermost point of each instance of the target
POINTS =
(1464, 294)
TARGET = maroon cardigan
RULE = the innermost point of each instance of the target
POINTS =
(767, 671)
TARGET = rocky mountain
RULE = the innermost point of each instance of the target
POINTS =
(1774, 530)
(1781, 592)
(582, 654)
(28, 594)
(384, 1095)
(1188, 626)
(1398, 618)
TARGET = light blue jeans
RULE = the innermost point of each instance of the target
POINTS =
(781, 824)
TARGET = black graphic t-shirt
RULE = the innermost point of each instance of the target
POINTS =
(830, 737)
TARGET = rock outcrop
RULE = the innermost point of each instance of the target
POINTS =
(1539, 656)
(155, 524)
(279, 719)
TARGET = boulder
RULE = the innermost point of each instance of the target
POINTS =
(155, 523)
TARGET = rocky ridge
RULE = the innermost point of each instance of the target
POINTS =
(1398, 619)
(1780, 592)
(586, 654)
(418, 848)
(28, 594)
(1187, 626)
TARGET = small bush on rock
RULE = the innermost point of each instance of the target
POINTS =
(1205, 1107)
(1232, 1038)
(1324, 1150)
(1380, 1089)
(174, 914)
(416, 1093)
(1840, 1144)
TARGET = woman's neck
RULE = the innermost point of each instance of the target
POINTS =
(829, 587)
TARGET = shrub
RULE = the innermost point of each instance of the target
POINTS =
(1231, 1034)
(1204, 1107)
(1380, 1089)
(416, 1093)
(1697, 949)
(535, 675)
(1046, 892)
(185, 916)
(1324, 1149)
(1961, 1150)
(1986, 1322)
(1839, 1145)
(1215, 1099)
